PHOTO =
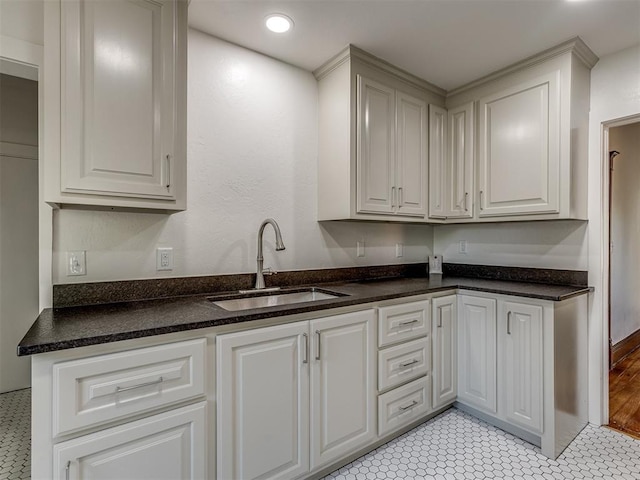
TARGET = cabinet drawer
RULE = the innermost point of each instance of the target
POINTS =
(170, 445)
(100, 389)
(407, 321)
(403, 405)
(404, 362)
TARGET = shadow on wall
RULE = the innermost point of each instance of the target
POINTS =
(380, 242)
(117, 243)
(549, 244)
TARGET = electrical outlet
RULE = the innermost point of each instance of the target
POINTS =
(463, 247)
(164, 259)
(76, 263)
(399, 250)
(360, 249)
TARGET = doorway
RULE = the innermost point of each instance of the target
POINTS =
(19, 249)
(624, 278)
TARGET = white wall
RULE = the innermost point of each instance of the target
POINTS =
(552, 244)
(615, 94)
(23, 20)
(18, 225)
(252, 154)
(625, 232)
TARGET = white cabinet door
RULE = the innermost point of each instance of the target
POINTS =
(376, 191)
(520, 357)
(119, 120)
(519, 149)
(445, 363)
(451, 162)
(166, 446)
(263, 403)
(437, 161)
(477, 352)
(411, 141)
(343, 376)
(459, 169)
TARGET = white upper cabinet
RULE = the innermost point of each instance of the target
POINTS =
(120, 89)
(411, 159)
(373, 144)
(376, 147)
(519, 142)
(451, 157)
(532, 135)
(391, 151)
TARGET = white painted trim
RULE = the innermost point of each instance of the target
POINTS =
(28, 58)
(18, 150)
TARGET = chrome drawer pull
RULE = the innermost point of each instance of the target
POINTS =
(408, 323)
(306, 348)
(509, 323)
(141, 385)
(318, 345)
(408, 364)
(407, 407)
(66, 470)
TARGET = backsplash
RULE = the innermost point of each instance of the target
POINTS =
(76, 294)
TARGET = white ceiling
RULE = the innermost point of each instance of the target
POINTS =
(447, 42)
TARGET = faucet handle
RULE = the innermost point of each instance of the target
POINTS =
(269, 271)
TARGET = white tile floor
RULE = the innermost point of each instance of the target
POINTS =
(15, 435)
(455, 446)
(452, 446)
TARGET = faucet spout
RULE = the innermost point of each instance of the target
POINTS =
(279, 246)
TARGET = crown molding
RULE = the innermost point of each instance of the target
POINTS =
(576, 46)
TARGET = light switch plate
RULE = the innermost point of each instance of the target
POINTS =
(76, 263)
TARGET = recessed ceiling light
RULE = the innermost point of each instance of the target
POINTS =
(278, 23)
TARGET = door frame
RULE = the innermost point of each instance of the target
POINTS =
(26, 60)
(605, 252)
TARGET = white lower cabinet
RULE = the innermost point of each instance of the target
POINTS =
(407, 329)
(292, 398)
(522, 364)
(477, 352)
(501, 359)
(444, 338)
(520, 358)
(403, 405)
(167, 446)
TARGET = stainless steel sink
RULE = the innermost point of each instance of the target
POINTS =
(272, 298)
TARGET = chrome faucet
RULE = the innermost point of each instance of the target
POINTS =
(261, 272)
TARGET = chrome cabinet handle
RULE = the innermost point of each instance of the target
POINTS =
(481, 199)
(141, 385)
(66, 470)
(466, 203)
(400, 199)
(393, 197)
(407, 323)
(407, 407)
(317, 345)
(508, 323)
(408, 364)
(168, 171)
(305, 359)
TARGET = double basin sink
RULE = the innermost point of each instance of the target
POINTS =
(252, 299)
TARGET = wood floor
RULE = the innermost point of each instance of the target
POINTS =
(624, 395)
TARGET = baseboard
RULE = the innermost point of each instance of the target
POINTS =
(624, 347)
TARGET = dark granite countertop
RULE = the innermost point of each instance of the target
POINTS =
(71, 327)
